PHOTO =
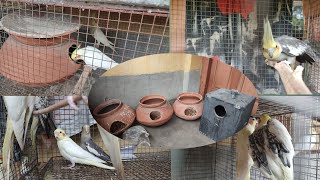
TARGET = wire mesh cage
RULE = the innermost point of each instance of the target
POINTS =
(233, 31)
(39, 37)
(215, 161)
(44, 161)
(218, 161)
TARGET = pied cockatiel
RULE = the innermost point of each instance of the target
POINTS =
(286, 48)
(92, 57)
(244, 160)
(272, 150)
(74, 153)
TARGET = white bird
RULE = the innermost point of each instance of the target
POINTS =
(74, 153)
(19, 111)
(272, 150)
(92, 57)
(244, 160)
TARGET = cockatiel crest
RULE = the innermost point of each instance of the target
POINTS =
(270, 48)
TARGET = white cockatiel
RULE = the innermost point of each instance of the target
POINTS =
(19, 111)
(74, 153)
(244, 160)
(272, 150)
(92, 57)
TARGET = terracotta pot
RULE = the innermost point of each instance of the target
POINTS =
(188, 106)
(154, 110)
(114, 116)
(36, 65)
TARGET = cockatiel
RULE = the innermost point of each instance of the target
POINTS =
(287, 48)
(99, 36)
(244, 160)
(92, 57)
(74, 153)
(19, 111)
(89, 145)
(137, 135)
(272, 150)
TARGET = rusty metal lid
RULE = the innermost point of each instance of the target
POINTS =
(45, 25)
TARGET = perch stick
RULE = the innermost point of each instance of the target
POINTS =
(58, 105)
(292, 80)
(82, 80)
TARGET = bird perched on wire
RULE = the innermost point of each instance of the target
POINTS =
(92, 57)
(244, 160)
(271, 149)
(99, 36)
(286, 48)
(74, 153)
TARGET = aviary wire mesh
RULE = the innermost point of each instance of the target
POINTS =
(233, 31)
(218, 161)
(38, 37)
(45, 161)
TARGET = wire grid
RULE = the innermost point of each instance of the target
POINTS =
(134, 31)
(148, 164)
(237, 38)
(312, 23)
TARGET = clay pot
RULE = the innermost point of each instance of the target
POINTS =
(34, 54)
(36, 65)
(154, 110)
(188, 106)
(114, 116)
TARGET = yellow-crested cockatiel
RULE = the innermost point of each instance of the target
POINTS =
(244, 160)
(286, 48)
(272, 150)
(75, 154)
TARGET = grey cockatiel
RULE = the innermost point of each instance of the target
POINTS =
(99, 36)
(89, 145)
(137, 135)
(126, 153)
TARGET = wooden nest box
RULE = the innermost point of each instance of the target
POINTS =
(225, 112)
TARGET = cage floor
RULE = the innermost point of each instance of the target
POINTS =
(146, 166)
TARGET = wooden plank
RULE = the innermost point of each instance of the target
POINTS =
(204, 79)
